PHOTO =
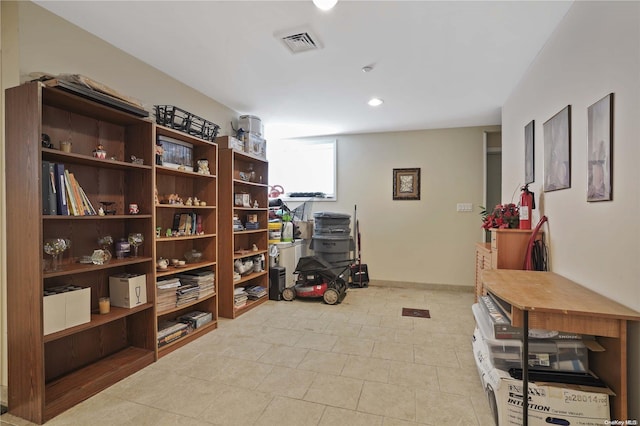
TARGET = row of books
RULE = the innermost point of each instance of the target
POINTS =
(62, 194)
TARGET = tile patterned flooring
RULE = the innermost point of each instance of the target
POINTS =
(307, 363)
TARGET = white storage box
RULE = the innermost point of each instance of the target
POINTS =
(250, 124)
(231, 143)
(549, 403)
(127, 290)
(547, 354)
(65, 307)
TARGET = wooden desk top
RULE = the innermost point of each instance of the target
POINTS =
(550, 292)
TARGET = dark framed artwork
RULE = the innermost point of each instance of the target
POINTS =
(599, 149)
(557, 151)
(529, 151)
(406, 184)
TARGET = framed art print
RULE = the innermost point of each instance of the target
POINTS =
(406, 184)
(557, 151)
(529, 151)
(599, 148)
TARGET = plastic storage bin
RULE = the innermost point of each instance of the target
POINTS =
(332, 243)
(548, 354)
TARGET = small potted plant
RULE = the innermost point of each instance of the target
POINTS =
(503, 216)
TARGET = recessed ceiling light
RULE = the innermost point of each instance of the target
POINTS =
(325, 4)
(375, 102)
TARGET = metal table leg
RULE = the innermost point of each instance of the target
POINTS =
(525, 368)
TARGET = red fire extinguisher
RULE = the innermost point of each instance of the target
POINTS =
(527, 203)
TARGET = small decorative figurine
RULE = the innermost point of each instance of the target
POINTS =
(255, 204)
(203, 203)
(99, 152)
(169, 232)
(189, 202)
(203, 167)
(158, 231)
(159, 152)
(100, 211)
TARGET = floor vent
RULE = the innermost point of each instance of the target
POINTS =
(301, 42)
(416, 313)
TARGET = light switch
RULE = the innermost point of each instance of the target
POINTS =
(464, 207)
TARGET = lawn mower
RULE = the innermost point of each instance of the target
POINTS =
(317, 278)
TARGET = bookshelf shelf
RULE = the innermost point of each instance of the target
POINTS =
(238, 245)
(204, 219)
(49, 374)
(186, 305)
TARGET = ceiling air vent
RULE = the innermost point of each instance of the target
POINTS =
(301, 42)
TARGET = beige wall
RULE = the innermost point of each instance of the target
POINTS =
(423, 241)
(34, 40)
(595, 51)
(9, 76)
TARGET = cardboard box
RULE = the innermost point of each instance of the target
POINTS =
(65, 307)
(564, 403)
(128, 290)
(306, 229)
(54, 312)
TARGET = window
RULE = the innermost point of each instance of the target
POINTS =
(304, 167)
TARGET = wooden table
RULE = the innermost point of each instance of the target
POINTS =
(546, 300)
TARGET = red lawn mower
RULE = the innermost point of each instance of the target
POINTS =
(317, 278)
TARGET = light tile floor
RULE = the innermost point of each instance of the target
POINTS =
(307, 363)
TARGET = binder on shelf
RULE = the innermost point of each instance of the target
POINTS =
(61, 198)
(49, 200)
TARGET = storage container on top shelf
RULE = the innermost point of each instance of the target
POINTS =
(329, 222)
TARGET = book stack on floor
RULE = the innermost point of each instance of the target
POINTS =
(559, 359)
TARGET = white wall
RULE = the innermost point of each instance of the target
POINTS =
(594, 51)
(423, 241)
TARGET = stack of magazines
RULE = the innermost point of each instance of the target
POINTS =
(167, 293)
(256, 292)
(239, 297)
(203, 278)
(187, 293)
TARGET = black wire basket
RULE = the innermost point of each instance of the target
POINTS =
(184, 121)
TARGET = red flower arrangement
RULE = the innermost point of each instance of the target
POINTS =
(502, 216)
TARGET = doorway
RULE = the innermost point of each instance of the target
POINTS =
(493, 172)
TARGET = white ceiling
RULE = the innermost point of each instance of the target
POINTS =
(437, 64)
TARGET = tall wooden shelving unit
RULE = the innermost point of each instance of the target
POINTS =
(205, 188)
(50, 373)
(233, 245)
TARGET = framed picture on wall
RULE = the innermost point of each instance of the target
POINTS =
(406, 184)
(557, 151)
(599, 148)
(529, 150)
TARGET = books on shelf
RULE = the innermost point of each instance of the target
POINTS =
(256, 292)
(70, 198)
(169, 331)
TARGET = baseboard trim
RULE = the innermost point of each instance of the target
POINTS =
(421, 286)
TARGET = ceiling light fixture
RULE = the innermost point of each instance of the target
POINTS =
(374, 102)
(368, 68)
(325, 4)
